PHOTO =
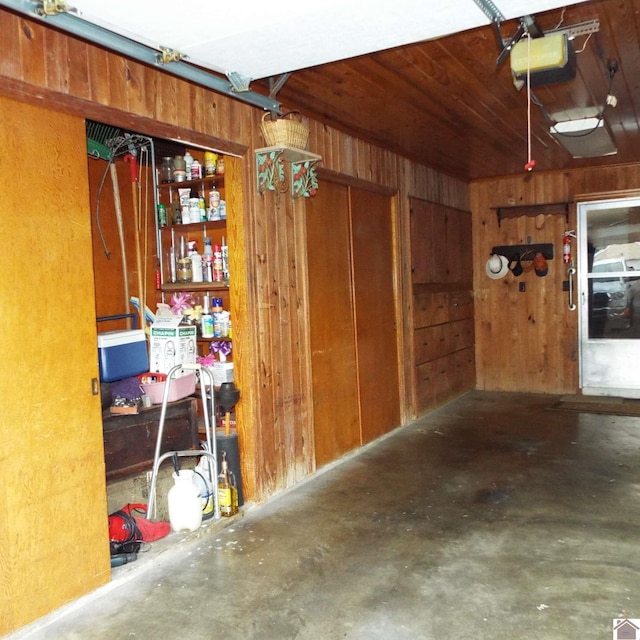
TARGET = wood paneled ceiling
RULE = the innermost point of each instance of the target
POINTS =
(446, 103)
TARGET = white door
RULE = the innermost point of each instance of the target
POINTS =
(609, 296)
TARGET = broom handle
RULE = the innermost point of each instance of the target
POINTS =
(136, 233)
(118, 206)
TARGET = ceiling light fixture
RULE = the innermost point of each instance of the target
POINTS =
(585, 137)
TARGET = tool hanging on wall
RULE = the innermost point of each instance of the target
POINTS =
(138, 152)
(566, 246)
(107, 143)
(118, 207)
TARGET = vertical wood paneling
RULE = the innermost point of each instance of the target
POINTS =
(78, 69)
(529, 341)
(33, 43)
(332, 325)
(374, 303)
(11, 65)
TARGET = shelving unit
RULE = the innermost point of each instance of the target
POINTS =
(533, 210)
(170, 235)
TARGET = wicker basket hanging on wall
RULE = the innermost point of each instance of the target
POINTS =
(283, 130)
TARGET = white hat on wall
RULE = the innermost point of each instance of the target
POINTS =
(497, 266)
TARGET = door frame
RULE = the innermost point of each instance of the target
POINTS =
(596, 354)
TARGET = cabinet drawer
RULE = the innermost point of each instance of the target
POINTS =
(431, 343)
(434, 342)
(430, 308)
(460, 305)
(441, 380)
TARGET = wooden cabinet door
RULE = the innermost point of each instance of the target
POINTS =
(52, 484)
(336, 420)
(428, 242)
(373, 269)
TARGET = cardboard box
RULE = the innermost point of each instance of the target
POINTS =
(171, 343)
(122, 354)
(222, 372)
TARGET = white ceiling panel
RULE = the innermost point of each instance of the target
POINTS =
(259, 39)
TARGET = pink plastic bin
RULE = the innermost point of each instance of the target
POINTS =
(180, 388)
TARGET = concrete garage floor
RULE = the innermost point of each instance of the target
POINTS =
(493, 517)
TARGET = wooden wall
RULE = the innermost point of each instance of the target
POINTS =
(528, 341)
(271, 338)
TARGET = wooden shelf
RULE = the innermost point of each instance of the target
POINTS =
(195, 226)
(191, 183)
(515, 211)
(194, 286)
(290, 154)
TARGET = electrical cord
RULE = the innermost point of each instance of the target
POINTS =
(134, 540)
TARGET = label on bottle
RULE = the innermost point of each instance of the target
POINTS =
(207, 326)
(224, 499)
(217, 263)
(214, 198)
(210, 160)
(162, 215)
(228, 500)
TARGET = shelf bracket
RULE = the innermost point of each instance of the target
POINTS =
(304, 181)
(270, 171)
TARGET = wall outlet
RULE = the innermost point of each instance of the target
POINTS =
(522, 287)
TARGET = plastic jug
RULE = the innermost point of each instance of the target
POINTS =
(185, 505)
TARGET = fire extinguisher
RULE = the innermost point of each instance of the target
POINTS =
(566, 246)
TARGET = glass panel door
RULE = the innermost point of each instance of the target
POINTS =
(609, 277)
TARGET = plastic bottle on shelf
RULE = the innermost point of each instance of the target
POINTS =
(210, 160)
(216, 311)
(196, 263)
(224, 251)
(214, 204)
(188, 161)
(207, 319)
(217, 263)
(207, 261)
